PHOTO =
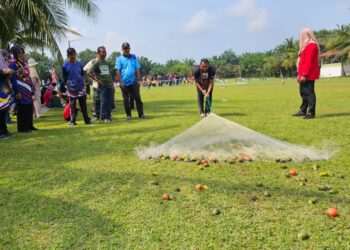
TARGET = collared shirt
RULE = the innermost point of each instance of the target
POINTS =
(127, 67)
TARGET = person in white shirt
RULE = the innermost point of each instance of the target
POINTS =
(96, 106)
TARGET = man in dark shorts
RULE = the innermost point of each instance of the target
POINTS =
(204, 75)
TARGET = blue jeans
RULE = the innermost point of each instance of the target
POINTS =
(107, 102)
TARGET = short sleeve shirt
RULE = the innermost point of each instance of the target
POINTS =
(127, 67)
(88, 67)
(204, 78)
(101, 70)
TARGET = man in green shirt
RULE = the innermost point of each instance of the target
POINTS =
(100, 72)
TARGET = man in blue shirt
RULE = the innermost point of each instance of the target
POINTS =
(72, 71)
(128, 76)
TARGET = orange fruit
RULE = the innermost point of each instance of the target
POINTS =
(175, 157)
(332, 212)
(198, 187)
(204, 161)
(293, 172)
(166, 197)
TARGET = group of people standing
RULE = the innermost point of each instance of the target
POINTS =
(128, 75)
(20, 83)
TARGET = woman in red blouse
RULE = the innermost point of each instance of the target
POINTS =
(308, 72)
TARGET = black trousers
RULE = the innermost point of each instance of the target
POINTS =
(96, 107)
(3, 122)
(134, 92)
(73, 108)
(308, 96)
(200, 98)
(24, 117)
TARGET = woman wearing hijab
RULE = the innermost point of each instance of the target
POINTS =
(5, 94)
(24, 90)
(36, 81)
(308, 72)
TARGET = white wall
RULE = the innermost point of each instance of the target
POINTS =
(331, 70)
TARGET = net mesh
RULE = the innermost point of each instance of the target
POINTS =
(222, 140)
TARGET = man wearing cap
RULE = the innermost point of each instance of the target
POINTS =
(128, 75)
(36, 80)
(204, 75)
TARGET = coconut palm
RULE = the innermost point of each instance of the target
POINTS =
(40, 23)
(339, 44)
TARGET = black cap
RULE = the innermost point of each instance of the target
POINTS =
(125, 45)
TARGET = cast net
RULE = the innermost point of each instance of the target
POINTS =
(216, 138)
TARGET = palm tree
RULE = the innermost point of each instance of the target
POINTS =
(40, 23)
(339, 44)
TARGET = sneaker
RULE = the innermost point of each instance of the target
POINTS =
(142, 117)
(72, 124)
(128, 117)
(202, 115)
(106, 120)
(90, 123)
(95, 119)
(299, 114)
(309, 116)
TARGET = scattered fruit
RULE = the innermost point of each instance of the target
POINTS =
(155, 183)
(324, 174)
(174, 158)
(316, 167)
(332, 212)
(166, 197)
(198, 187)
(303, 236)
(201, 168)
(216, 211)
(267, 194)
(313, 201)
(324, 188)
(205, 187)
(333, 191)
(293, 172)
(204, 161)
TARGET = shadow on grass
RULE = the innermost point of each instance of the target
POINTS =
(345, 114)
(26, 216)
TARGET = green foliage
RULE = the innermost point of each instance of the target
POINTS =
(86, 56)
(40, 23)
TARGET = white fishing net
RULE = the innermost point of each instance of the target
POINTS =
(218, 139)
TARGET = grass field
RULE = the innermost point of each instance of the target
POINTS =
(83, 187)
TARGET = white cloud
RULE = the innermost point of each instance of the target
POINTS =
(199, 22)
(256, 17)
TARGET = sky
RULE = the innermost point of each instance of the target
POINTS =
(179, 29)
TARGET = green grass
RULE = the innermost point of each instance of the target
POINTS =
(83, 187)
